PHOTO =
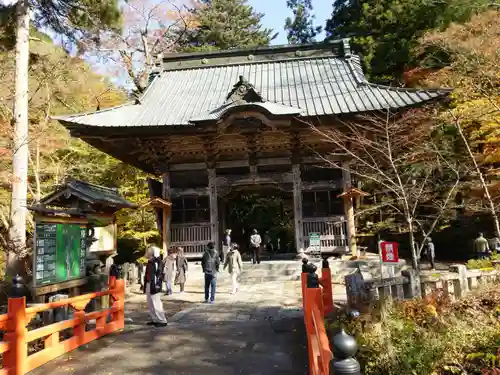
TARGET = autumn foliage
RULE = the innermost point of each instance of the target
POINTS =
(466, 57)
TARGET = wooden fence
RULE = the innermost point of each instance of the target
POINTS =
(317, 303)
(14, 348)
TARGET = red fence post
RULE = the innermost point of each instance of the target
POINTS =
(120, 303)
(326, 283)
(303, 280)
(112, 282)
(308, 301)
(15, 357)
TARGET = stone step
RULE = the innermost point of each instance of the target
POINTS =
(263, 279)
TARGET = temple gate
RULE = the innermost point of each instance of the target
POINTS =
(210, 123)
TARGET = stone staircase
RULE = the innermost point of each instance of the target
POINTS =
(290, 270)
(268, 271)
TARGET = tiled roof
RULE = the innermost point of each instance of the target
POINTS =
(308, 86)
(94, 194)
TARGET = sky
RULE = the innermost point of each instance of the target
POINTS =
(276, 12)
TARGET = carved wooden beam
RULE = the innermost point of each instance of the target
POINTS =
(274, 161)
(153, 153)
(187, 167)
(249, 179)
(251, 139)
(182, 192)
(322, 185)
(232, 163)
(211, 151)
(262, 119)
(295, 145)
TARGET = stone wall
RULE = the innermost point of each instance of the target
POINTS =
(362, 288)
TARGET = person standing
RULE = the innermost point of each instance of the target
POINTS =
(255, 242)
(226, 245)
(495, 244)
(168, 271)
(210, 264)
(481, 247)
(268, 243)
(152, 288)
(429, 252)
(235, 266)
(182, 269)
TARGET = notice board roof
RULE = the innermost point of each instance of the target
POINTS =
(96, 196)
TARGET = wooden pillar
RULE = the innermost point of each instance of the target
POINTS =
(297, 209)
(164, 227)
(166, 218)
(349, 212)
(222, 219)
(212, 195)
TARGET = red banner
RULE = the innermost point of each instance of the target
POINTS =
(389, 252)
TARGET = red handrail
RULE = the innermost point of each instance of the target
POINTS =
(14, 348)
(317, 302)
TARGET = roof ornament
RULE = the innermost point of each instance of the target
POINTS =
(244, 91)
(346, 47)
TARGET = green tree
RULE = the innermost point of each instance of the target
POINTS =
(224, 24)
(72, 19)
(385, 32)
(300, 28)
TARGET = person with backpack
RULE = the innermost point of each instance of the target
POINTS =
(210, 264)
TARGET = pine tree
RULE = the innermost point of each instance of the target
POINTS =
(300, 28)
(71, 19)
(225, 24)
(385, 32)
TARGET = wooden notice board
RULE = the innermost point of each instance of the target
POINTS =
(60, 252)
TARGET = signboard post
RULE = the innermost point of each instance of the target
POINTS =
(60, 252)
(315, 242)
(388, 252)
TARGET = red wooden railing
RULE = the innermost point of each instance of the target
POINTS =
(14, 348)
(317, 303)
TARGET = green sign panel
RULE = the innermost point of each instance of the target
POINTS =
(60, 252)
(314, 239)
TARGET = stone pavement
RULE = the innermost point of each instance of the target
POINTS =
(258, 331)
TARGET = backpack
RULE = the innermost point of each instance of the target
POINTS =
(210, 263)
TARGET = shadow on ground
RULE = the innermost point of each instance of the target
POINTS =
(260, 346)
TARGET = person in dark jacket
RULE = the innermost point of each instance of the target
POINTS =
(152, 287)
(429, 252)
(210, 264)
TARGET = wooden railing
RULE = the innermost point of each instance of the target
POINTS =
(193, 237)
(14, 348)
(317, 303)
(332, 231)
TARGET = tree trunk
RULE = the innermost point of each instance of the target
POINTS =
(414, 259)
(20, 152)
(491, 204)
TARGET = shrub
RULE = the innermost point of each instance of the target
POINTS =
(432, 336)
(474, 264)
